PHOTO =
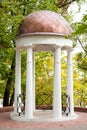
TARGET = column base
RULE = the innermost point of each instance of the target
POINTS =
(57, 116)
(16, 117)
(42, 116)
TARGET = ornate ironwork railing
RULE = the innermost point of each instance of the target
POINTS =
(44, 99)
(65, 104)
(19, 110)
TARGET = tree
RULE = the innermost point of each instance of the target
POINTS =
(44, 63)
(12, 14)
(80, 84)
(80, 33)
(9, 23)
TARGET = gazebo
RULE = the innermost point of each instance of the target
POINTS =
(43, 31)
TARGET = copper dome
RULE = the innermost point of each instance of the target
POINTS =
(45, 21)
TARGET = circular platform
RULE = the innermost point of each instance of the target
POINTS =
(42, 116)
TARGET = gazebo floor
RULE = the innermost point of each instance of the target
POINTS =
(80, 123)
(41, 116)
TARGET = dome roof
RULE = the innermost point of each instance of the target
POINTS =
(45, 21)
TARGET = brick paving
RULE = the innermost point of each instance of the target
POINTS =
(79, 123)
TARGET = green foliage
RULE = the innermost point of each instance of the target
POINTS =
(5, 67)
(80, 82)
(80, 86)
(81, 27)
(12, 13)
(44, 78)
(10, 18)
(82, 61)
(44, 72)
(46, 5)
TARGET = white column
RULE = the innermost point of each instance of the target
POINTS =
(29, 86)
(57, 108)
(33, 83)
(70, 80)
(17, 78)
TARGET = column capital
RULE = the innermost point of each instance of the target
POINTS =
(57, 46)
(23, 47)
(57, 55)
(29, 46)
(17, 49)
(69, 49)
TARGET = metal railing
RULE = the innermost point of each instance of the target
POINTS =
(45, 101)
(65, 104)
(44, 98)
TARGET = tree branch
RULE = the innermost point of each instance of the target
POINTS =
(82, 45)
(61, 4)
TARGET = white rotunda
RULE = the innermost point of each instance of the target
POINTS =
(43, 31)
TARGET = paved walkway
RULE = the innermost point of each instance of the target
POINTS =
(79, 123)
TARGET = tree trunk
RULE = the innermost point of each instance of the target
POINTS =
(6, 97)
(9, 85)
(12, 99)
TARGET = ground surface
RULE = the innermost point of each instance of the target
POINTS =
(79, 123)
